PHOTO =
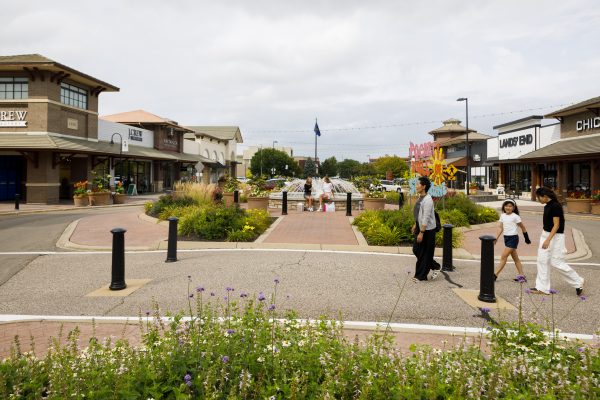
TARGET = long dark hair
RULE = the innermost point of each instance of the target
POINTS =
(515, 208)
(544, 191)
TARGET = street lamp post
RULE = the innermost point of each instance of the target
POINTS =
(120, 152)
(466, 100)
(274, 141)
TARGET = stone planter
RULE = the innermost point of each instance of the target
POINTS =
(261, 203)
(228, 198)
(81, 201)
(373, 204)
(99, 198)
(119, 198)
(595, 208)
(579, 205)
(472, 191)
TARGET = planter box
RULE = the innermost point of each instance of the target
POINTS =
(261, 203)
(228, 198)
(99, 199)
(119, 198)
(579, 205)
(81, 201)
(373, 204)
(595, 208)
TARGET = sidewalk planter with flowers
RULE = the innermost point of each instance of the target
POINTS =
(258, 198)
(100, 194)
(119, 196)
(374, 200)
(229, 186)
(473, 188)
(80, 194)
(577, 202)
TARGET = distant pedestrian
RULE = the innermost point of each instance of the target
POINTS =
(509, 224)
(551, 251)
(424, 231)
(308, 193)
(327, 194)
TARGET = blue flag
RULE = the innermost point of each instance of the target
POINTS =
(317, 131)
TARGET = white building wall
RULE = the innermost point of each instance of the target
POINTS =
(492, 147)
(136, 136)
(549, 134)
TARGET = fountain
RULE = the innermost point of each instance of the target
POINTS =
(295, 192)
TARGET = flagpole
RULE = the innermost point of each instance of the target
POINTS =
(316, 164)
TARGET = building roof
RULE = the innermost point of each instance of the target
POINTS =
(532, 118)
(473, 137)
(586, 105)
(140, 117)
(219, 132)
(577, 146)
(36, 64)
(450, 125)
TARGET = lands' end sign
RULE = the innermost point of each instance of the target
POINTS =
(13, 118)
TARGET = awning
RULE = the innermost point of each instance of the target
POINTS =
(457, 161)
(194, 158)
(587, 146)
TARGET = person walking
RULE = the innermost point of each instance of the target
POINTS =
(308, 193)
(424, 231)
(509, 224)
(551, 251)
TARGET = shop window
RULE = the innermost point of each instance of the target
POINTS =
(14, 88)
(73, 96)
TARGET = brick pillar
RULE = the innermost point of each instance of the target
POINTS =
(535, 180)
(43, 180)
(561, 180)
(206, 174)
(595, 175)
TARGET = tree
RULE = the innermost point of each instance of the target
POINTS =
(348, 168)
(367, 169)
(394, 164)
(266, 159)
(310, 168)
(329, 167)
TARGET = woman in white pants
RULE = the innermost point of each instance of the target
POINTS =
(551, 251)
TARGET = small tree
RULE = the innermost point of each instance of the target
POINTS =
(348, 168)
(329, 167)
(395, 164)
(309, 168)
(265, 160)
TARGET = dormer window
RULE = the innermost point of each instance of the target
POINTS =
(14, 88)
(73, 96)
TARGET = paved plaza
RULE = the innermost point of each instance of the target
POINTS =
(323, 264)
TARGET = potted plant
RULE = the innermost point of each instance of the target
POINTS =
(374, 200)
(258, 198)
(578, 202)
(473, 188)
(100, 194)
(231, 184)
(80, 194)
(595, 207)
(119, 196)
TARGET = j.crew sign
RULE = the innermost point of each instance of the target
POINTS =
(13, 118)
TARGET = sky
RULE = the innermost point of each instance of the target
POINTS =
(377, 74)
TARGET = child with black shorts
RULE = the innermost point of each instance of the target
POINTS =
(508, 226)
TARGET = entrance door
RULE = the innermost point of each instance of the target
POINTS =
(10, 177)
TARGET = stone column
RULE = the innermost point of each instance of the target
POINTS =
(43, 179)
(535, 179)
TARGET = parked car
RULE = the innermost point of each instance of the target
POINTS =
(389, 186)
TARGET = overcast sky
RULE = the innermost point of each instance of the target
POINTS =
(376, 74)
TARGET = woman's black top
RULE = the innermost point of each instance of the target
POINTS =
(554, 209)
(307, 189)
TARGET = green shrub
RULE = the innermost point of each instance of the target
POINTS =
(392, 197)
(383, 235)
(486, 214)
(246, 234)
(165, 201)
(475, 213)
(211, 222)
(259, 219)
(455, 217)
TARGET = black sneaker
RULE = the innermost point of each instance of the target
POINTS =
(579, 290)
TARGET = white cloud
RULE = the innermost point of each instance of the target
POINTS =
(271, 65)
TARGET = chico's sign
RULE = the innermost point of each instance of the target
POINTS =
(516, 141)
(585, 124)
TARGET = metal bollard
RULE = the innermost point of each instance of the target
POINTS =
(117, 281)
(486, 285)
(236, 197)
(284, 203)
(400, 200)
(349, 204)
(447, 249)
(17, 198)
(172, 245)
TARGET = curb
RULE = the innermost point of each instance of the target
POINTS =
(68, 208)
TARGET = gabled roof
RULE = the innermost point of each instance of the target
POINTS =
(141, 117)
(590, 104)
(577, 146)
(450, 125)
(35, 65)
(219, 132)
(473, 137)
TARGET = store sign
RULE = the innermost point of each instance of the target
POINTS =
(516, 141)
(587, 124)
(72, 123)
(170, 142)
(136, 135)
(13, 118)
(515, 144)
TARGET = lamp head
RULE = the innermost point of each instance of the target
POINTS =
(462, 99)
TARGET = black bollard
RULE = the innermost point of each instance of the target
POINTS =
(284, 203)
(447, 248)
(117, 281)
(17, 198)
(486, 285)
(172, 246)
(349, 204)
(236, 197)
(400, 200)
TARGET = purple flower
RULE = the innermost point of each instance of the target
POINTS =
(199, 289)
(581, 349)
(229, 289)
(261, 296)
(212, 294)
(528, 291)
(225, 359)
(271, 307)
(485, 310)
(230, 331)
(543, 299)
(243, 294)
(276, 281)
(583, 298)
(552, 291)
(189, 277)
(191, 295)
(521, 279)
(148, 312)
(188, 380)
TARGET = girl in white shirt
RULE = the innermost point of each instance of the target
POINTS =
(327, 194)
(509, 223)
